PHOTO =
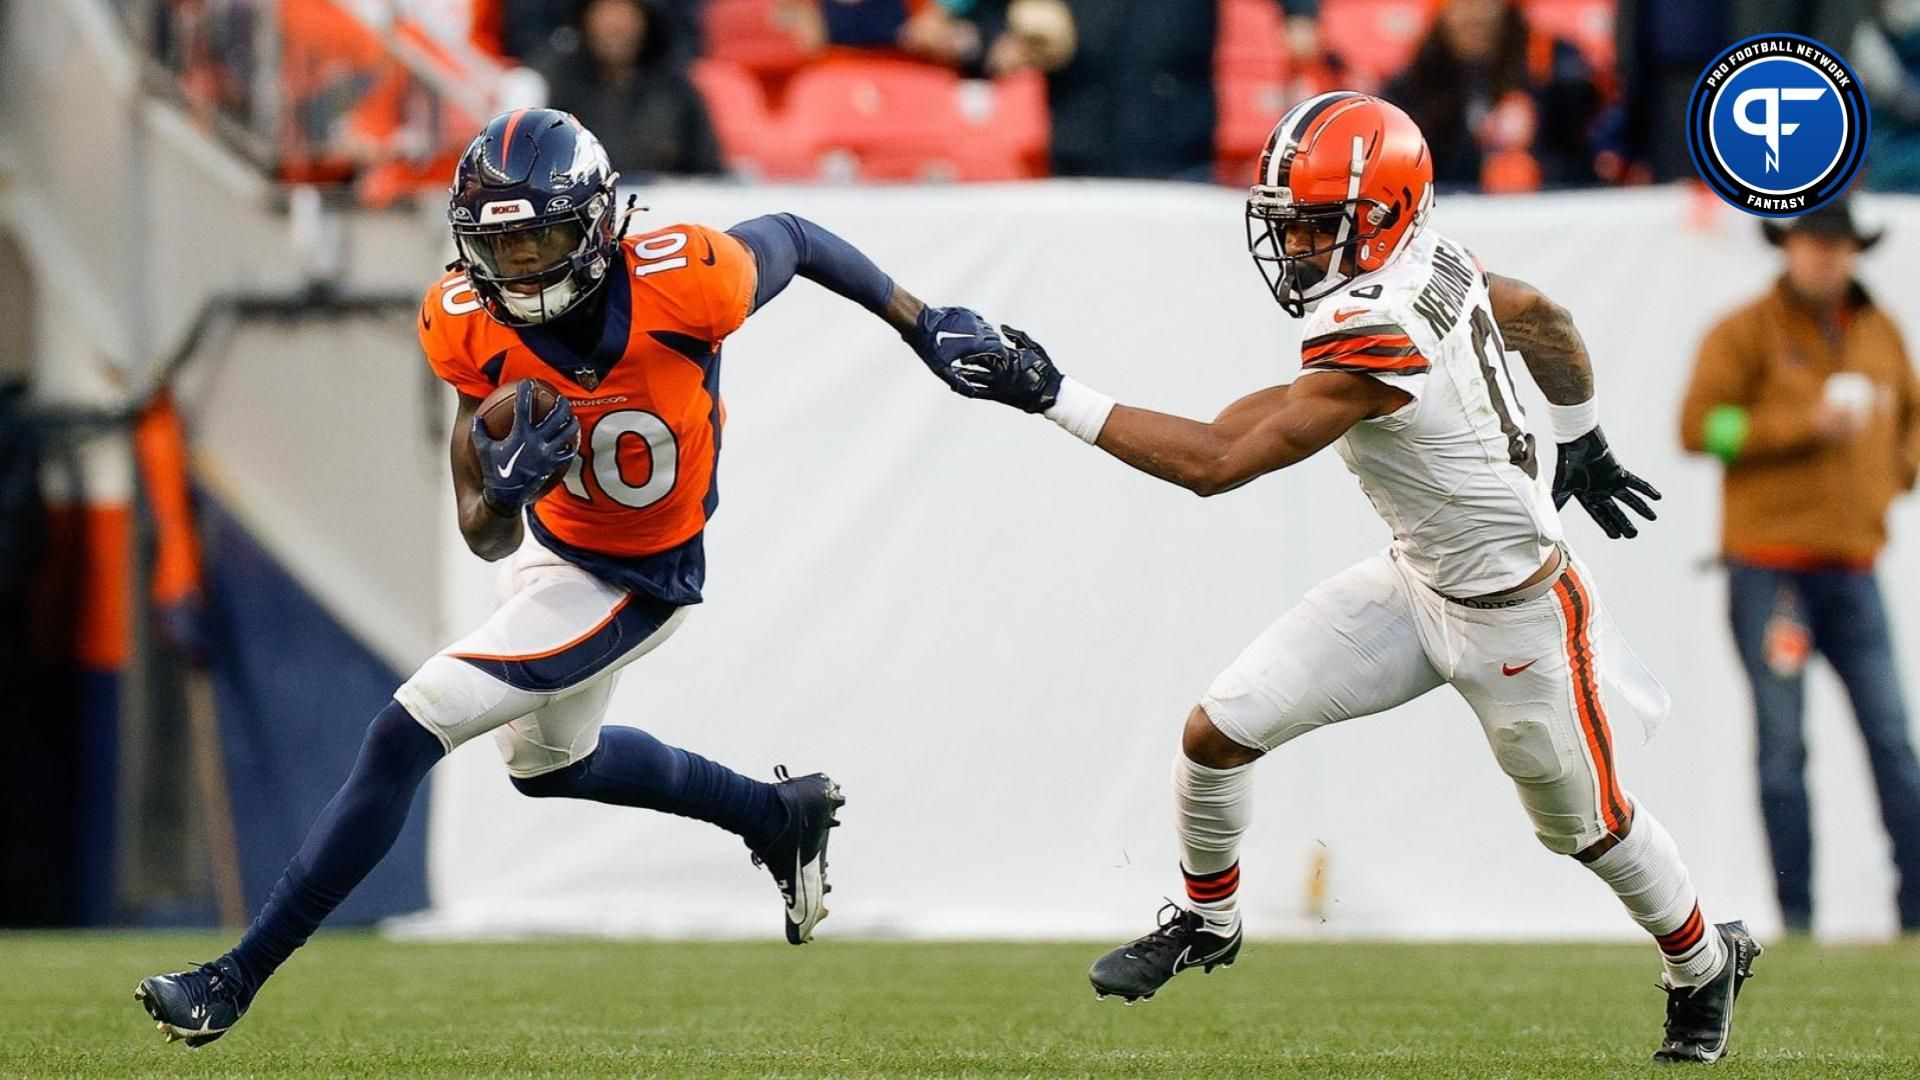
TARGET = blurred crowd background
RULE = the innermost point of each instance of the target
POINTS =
(1515, 95)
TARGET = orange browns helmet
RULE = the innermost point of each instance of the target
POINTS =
(1349, 174)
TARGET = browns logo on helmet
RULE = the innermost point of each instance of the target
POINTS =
(1345, 176)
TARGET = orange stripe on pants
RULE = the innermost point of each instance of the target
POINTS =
(1576, 605)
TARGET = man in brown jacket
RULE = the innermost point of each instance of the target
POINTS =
(1808, 397)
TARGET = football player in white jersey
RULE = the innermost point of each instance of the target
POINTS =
(1404, 373)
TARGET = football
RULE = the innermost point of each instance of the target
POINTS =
(496, 411)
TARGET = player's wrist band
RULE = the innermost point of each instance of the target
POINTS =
(1569, 422)
(1080, 409)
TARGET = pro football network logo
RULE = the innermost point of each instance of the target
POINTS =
(1777, 125)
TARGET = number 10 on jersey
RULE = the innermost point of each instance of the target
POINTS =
(600, 454)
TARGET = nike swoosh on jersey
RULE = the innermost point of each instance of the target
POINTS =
(508, 467)
(709, 259)
(426, 319)
(1510, 669)
(1347, 313)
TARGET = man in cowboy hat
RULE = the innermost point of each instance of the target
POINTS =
(1807, 396)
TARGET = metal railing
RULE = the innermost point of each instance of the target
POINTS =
(321, 91)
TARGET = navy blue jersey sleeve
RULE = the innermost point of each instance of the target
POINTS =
(785, 245)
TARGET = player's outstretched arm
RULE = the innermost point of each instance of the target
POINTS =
(786, 246)
(1542, 332)
(1263, 432)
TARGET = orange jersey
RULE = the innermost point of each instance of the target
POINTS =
(634, 502)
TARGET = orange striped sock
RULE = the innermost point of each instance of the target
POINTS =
(1216, 897)
(1693, 950)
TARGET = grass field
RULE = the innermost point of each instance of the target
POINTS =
(358, 1006)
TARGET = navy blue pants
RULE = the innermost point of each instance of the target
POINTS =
(1842, 612)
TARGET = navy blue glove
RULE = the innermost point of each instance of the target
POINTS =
(517, 468)
(943, 337)
(1587, 472)
(1021, 375)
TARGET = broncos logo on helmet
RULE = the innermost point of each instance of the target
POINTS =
(532, 210)
(1343, 174)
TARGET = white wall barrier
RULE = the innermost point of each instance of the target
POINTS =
(990, 634)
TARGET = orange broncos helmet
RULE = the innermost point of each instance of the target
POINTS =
(1355, 173)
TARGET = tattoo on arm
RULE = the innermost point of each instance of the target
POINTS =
(1542, 332)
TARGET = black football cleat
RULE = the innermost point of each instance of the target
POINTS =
(199, 1005)
(797, 859)
(1700, 1018)
(1137, 970)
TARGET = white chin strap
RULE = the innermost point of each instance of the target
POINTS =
(545, 305)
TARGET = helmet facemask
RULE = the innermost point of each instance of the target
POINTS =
(1294, 276)
(534, 270)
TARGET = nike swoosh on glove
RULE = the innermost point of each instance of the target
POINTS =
(1587, 472)
(517, 467)
(943, 337)
(1021, 375)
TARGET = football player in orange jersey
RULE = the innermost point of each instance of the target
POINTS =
(616, 484)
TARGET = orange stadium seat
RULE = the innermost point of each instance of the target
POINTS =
(1374, 38)
(897, 120)
(744, 32)
(1020, 115)
(1249, 42)
(1248, 110)
(753, 139)
(1587, 24)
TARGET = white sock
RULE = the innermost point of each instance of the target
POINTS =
(1211, 810)
(1645, 871)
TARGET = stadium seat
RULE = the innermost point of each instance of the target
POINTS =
(1019, 113)
(1587, 24)
(1248, 110)
(895, 120)
(754, 140)
(1249, 45)
(744, 32)
(1373, 38)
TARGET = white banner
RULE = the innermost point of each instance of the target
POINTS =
(990, 634)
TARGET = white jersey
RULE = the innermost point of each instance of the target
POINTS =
(1454, 474)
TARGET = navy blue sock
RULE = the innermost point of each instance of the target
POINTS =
(632, 768)
(349, 839)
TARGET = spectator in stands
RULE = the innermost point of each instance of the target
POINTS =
(620, 74)
(1503, 107)
(1808, 397)
(1129, 82)
(929, 30)
(1021, 35)
(1663, 45)
(1300, 31)
(527, 27)
(1886, 54)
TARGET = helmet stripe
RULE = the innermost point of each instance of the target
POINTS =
(1281, 151)
(506, 141)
